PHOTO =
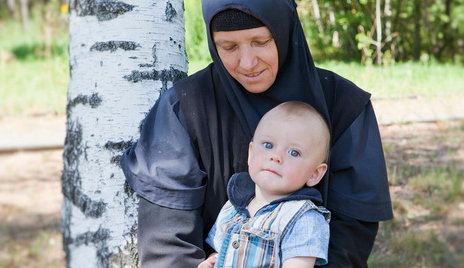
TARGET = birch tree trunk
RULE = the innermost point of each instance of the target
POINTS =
(122, 56)
(378, 24)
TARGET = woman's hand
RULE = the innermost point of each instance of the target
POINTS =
(209, 262)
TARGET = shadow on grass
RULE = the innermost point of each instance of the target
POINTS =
(400, 246)
(30, 240)
(426, 169)
(25, 227)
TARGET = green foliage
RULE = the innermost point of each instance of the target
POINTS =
(45, 36)
(33, 63)
(345, 30)
(411, 30)
(35, 80)
(195, 33)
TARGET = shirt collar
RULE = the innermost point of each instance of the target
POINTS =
(241, 189)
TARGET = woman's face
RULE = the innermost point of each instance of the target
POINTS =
(250, 56)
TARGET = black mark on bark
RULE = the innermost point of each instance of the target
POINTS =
(118, 146)
(92, 237)
(93, 100)
(153, 54)
(65, 229)
(71, 187)
(114, 45)
(170, 12)
(73, 143)
(103, 10)
(98, 239)
(108, 10)
(163, 75)
(116, 160)
(129, 257)
(127, 189)
(71, 181)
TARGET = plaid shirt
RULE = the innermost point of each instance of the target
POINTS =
(279, 231)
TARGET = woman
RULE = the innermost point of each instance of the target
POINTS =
(196, 137)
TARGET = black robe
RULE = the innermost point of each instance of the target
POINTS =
(197, 136)
(192, 142)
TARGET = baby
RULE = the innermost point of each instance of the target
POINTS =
(273, 217)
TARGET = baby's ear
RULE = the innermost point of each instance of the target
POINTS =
(250, 150)
(317, 175)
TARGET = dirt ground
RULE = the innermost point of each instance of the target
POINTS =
(30, 191)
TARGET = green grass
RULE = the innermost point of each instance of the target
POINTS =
(437, 187)
(403, 79)
(34, 87)
(394, 81)
(426, 176)
(35, 80)
(408, 248)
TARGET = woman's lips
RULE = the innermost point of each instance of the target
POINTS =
(253, 75)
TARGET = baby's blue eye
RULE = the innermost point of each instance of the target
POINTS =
(294, 153)
(267, 145)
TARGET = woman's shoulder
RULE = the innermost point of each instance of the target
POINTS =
(197, 90)
(198, 81)
(332, 80)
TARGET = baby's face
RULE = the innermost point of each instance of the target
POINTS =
(285, 154)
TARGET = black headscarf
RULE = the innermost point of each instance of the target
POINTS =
(297, 78)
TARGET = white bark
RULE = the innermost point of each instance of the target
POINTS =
(378, 23)
(25, 13)
(122, 55)
(11, 7)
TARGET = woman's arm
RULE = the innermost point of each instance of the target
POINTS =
(169, 237)
(162, 168)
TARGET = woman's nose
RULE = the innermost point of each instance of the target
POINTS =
(248, 59)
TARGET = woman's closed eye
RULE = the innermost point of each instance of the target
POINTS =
(267, 145)
(262, 43)
(228, 47)
(294, 153)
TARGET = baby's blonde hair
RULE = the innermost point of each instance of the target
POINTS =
(303, 111)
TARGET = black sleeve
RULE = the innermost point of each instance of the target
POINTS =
(351, 241)
(358, 185)
(169, 237)
(163, 169)
(162, 166)
(358, 194)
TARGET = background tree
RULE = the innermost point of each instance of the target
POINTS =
(121, 56)
(410, 29)
(338, 30)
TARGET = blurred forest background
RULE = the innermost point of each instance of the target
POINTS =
(419, 44)
(391, 48)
